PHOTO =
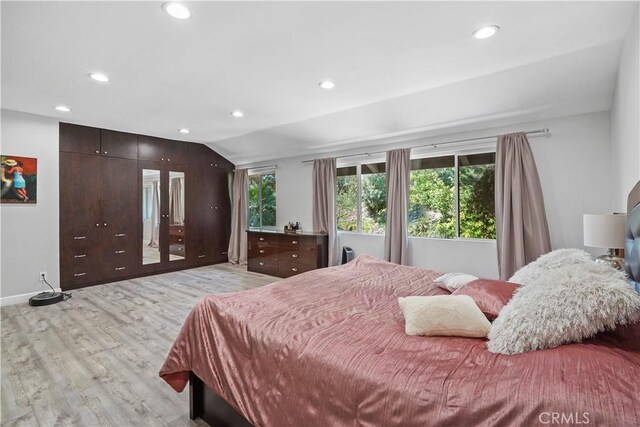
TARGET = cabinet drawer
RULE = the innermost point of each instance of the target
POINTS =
(264, 266)
(176, 230)
(262, 240)
(73, 277)
(299, 255)
(262, 251)
(294, 242)
(82, 258)
(288, 269)
(119, 236)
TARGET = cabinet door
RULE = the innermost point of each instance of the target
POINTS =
(202, 201)
(176, 152)
(119, 191)
(119, 144)
(221, 215)
(79, 139)
(80, 191)
(150, 148)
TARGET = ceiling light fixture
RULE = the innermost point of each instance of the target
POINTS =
(183, 130)
(237, 113)
(63, 108)
(177, 10)
(99, 77)
(486, 32)
(327, 84)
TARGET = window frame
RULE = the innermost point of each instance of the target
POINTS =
(417, 156)
(260, 175)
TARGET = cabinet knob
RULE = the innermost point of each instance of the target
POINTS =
(216, 165)
(294, 269)
(97, 151)
(168, 159)
(211, 207)
(294, 256)
(97, 224)
(104, 152)
(216, 207)
(162, 159)
(262, 239)
(261, 251)
(295, 242)
(261, 263)
(104, 225)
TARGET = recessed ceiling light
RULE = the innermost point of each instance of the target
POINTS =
(327, 84)
(237, 113)
(99, 77)
(183, 130)
(486, 32)
(177, 10)
(63, 108)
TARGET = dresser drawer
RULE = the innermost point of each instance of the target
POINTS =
(262, 240)
(72, 277)
(80, 258)
(288, 269)
(264, 266)
(299, 256)
(295, 242)
(176, 230)
(262, 252)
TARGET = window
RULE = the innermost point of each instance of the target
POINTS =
(450, 196)
(476, 184)
(432, 201)
(262, 200)
(361, 198)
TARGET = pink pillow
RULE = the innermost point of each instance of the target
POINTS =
(489, 295)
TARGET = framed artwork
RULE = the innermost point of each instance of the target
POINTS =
(19, 179)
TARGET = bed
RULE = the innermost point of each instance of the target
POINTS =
(328, 348)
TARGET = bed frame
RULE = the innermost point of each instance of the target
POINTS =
(215, 411)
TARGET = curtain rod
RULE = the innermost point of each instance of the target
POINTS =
(261, 167)
(435, 144)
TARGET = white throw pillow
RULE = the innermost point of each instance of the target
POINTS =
(566, 305)
(454, 281)
(547, 262)
(443, 315)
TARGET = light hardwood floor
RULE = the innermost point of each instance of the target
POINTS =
(94, 359)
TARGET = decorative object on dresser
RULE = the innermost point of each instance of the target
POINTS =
(606, 231)
(132, 205)
(283, 255)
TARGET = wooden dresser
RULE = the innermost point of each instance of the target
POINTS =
(283, 255)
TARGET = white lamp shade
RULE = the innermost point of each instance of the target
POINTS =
(604, 231)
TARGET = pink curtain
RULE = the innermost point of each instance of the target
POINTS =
(521, 223)
(396, 241)
(238, 238)
(324, 204)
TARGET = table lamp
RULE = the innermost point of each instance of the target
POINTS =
(606, 231)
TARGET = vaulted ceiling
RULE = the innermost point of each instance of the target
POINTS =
(398, 67)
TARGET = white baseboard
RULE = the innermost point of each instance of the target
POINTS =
(19, 299)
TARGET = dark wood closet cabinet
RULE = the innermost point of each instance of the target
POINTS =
(107, 204)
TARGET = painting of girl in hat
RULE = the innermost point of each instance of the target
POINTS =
(19, 179)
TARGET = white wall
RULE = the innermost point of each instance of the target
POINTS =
(575, 172)
(29, 239)
(625, 121)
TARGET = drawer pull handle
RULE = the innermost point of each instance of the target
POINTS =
(79, 237)
(261, 251)
(121, 234)
(262, 263)
(120, 268)
(201, 256)
(294, 269)
(80, 274)
(80, 256)
(224, 253)
(120, 252)
(295, 242)
(294, 256)
(262, 239)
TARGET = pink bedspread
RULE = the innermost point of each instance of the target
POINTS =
(328, 348)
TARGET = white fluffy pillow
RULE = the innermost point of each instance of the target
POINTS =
(547, 262)
(454, 281)
(566, 305)
(443, 315)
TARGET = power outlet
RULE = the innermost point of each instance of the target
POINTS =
(43, 276)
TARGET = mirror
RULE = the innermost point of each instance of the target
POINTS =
(150, 216)
(176, 216)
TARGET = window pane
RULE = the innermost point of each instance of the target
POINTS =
(432, 198)
(374, 198)
(477, 203)
(254, 202)
(269, 200)
(347, 199)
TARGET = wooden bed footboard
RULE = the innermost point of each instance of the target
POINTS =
(211, 408)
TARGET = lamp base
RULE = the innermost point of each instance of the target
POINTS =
(612, 261)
